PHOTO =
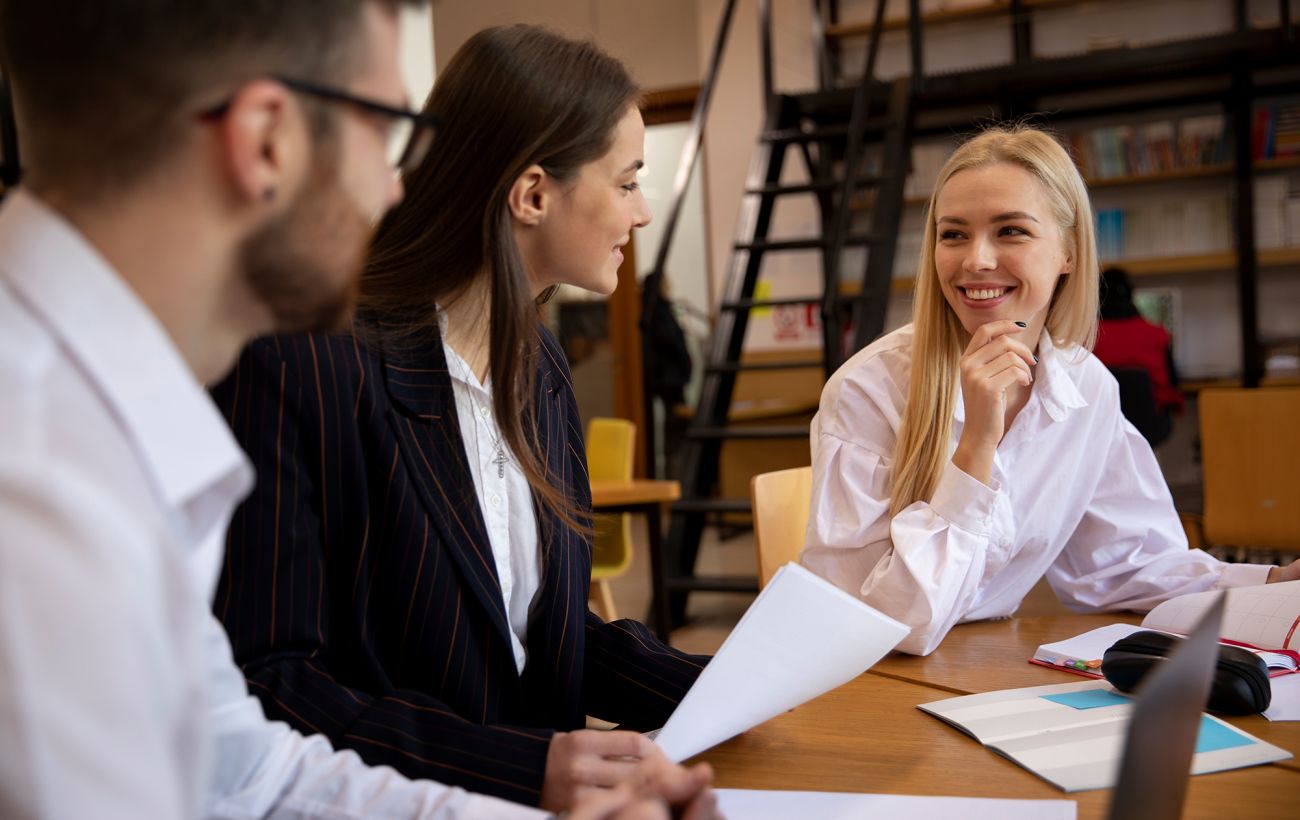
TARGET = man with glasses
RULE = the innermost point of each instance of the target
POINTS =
(197, 174)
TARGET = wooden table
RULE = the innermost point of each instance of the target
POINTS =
(868, 736)
(645, 496)
(991, 655)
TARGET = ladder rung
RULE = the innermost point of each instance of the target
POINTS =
(737, 367)
(714, 583)
(813, 187)
(789, 135)
(806, 243)
(786, 136)
(705, 505)
(792, 431)
(750, 304)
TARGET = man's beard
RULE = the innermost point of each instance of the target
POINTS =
(305, 265)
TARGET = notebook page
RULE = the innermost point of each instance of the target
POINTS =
(1266, 616)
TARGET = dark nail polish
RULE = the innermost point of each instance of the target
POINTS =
(1035, 358)
(1021, 324)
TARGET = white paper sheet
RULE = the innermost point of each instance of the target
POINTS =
(800, 638)
(782, 805)
(1285, 703)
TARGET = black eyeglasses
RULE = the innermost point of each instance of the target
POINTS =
(409, 133)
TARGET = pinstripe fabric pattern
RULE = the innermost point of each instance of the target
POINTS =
(360, 592)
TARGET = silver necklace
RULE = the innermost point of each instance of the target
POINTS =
(501, 459)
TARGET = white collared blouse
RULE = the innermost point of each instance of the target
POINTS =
(504, 496)
(1076, 495)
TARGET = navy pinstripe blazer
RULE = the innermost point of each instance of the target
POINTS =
(359, 590)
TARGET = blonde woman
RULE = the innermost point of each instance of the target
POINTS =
(962, 457)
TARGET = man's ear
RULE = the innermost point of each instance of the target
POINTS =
(264, 142)
(530, 196)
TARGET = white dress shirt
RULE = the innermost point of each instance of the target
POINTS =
(504, 497)
(119, 697)
(1077, 495)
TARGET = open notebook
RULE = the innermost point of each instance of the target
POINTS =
(1264, 619)
(1074, 735)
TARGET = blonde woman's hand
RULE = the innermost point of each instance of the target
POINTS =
(1290, 572)
(994, 361)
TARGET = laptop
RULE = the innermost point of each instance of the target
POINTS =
(1163, 725)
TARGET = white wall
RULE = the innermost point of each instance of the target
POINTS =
(417, 53)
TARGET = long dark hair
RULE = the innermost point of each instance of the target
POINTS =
(511, 97)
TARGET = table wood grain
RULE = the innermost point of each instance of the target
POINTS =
(989, 655)
(636, 491)
(868, 736)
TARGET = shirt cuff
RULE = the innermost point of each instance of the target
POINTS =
(482, 807)
(1243, 575)
(963, 500)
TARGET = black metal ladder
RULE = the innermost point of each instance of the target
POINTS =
(856, 146)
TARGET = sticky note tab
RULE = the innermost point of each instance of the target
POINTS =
(1088, 699)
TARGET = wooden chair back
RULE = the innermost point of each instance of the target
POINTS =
(1250, 454)
(781, 500)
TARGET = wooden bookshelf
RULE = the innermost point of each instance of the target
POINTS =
(1215, 170)
(1202, 262)
(1277, 164)
(993, 8)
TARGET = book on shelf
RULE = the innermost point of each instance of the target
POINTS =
(1276, 130)
(1181, 226)
(1264, 620)
(1282, 358)
(1277, 211)
(1152, 148)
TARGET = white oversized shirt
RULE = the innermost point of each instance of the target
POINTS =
(504, 497)
(1077, 496)
(119, 697)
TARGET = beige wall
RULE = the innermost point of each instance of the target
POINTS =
(656, 40)
(731, 133)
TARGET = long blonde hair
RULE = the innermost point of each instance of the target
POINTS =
(926, 429)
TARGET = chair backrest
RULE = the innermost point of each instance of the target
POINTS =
(611, 448)
(781, 500)
(1250, 454)
(1137, 401)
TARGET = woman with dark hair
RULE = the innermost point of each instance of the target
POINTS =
(1127, 342)
(410, 577)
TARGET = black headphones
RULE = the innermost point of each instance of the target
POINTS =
(1240, 684)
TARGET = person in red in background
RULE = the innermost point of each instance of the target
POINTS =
(1127, 342)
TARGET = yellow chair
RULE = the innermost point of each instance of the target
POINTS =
(1250, 456)
(781, 500)
(611, 445)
